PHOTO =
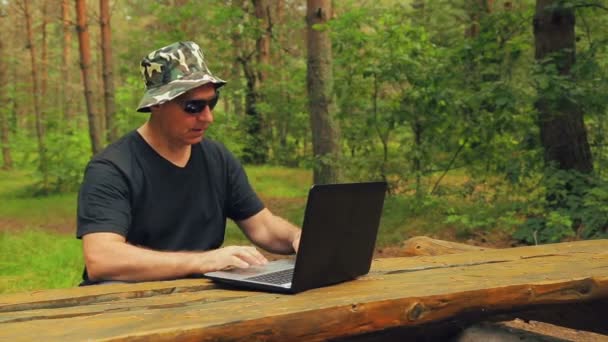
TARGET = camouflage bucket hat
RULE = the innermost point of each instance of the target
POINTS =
(173, 70)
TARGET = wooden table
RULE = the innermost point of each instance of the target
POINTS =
(399, 296)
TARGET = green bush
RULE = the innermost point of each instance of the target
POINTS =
(570, 205)
(68, 154)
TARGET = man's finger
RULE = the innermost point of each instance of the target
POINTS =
(252, 256)
(239, 262)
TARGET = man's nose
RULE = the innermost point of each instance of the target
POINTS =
(205, 115)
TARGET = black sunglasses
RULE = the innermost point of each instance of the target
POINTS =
(194, 107)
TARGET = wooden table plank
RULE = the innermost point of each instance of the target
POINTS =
(94, 294)
(398, 292)
(132, 304)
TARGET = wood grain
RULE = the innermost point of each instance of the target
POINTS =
(398, 292)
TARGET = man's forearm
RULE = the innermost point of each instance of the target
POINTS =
(121, 261)
(271, 232)
(284, 241)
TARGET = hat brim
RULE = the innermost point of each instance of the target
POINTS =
(169, 91)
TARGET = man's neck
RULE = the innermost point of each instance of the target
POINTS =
(177, 154)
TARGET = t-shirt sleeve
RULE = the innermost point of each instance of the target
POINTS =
(242, 201)
(103, 201)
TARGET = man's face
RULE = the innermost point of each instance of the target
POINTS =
(182, 126)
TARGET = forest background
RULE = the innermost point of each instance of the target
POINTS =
(487, 118)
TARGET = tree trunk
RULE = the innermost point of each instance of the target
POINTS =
(476, 10)
(44, 60)
(280, 11)
(85, 64)
(7, 160)
(285, 119)
(262, 14)
(418, 128)
(108, 79)
(42, 163)
(235, 70)
(562, 129)
(319, 79)
(66, 93)
(382, 135)
(237, 98)
(256, 149)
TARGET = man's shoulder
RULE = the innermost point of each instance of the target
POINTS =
(208, 143)
(217, 155)
(118, 153)
(215, 148)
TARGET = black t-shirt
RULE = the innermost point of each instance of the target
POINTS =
(131, 190)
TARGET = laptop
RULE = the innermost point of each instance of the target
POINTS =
(337, 244)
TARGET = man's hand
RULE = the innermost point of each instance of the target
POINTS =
(295, 243)
(236, 256)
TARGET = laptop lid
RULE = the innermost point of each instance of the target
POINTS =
(338, 238)
(338, 233)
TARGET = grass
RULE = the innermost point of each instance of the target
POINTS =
(279, 181)
(18, 205)
(36, 257)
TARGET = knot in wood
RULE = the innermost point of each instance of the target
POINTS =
(585, 287)
(416, 312)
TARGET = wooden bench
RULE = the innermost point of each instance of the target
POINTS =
(430, 296)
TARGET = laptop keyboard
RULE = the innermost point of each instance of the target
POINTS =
(279, 277)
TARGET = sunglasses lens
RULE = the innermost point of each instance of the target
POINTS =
(193, 107)
(213, 101)
(197, 106)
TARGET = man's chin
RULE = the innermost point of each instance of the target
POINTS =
(195, 136)
(196, 140)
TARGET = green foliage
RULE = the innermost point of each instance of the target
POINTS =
(483, 216)
(68, 154)
(594, 213)
(407, 216)
(494, 100)
(555, 227)
(569, 205)
(127, 99)
(391, 105)
(286, 115)
(225, 129)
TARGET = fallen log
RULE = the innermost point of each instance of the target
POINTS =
(422, 245)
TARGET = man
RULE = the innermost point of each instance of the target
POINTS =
(153, 205)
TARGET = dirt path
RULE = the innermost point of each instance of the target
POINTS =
(65, 226)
